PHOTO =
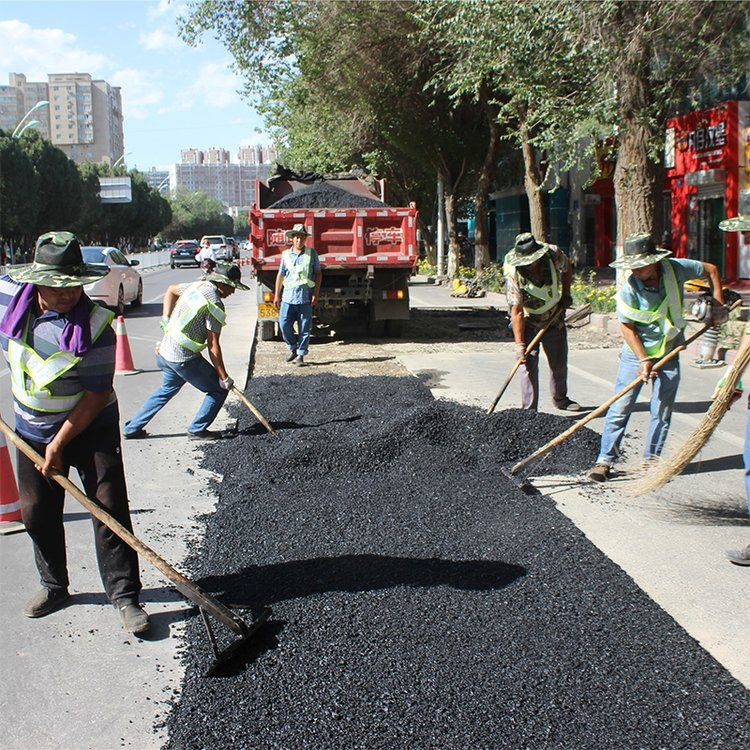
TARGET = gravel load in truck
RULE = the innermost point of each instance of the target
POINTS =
(325, 195)
(420, 599)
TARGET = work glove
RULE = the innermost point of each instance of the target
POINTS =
(645, 371)
(737, 390)
(227, 383)
(521, 352)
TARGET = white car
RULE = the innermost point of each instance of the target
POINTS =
(121, 286)
(221, 245)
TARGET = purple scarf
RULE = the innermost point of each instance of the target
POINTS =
(76, 334)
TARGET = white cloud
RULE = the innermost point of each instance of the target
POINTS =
(160, 40)
(168, 9)
(37, 52)
(216, 86)
(140, 93)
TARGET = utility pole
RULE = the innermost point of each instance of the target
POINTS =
(440, 229)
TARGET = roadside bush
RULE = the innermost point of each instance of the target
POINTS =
(584, 290)
(424, 268)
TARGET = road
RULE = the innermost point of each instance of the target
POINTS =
(671, 542)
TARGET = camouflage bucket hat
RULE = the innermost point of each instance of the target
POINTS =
(640, 250)
(58, 262)
(297, 229)
(227, 273)
(736, 224)
(526, 250)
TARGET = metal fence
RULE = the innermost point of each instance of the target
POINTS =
(149, 259)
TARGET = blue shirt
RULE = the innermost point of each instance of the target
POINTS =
(94, 372)
(636, 294)
(298, 295)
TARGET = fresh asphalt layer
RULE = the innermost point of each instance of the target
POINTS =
(670, 544)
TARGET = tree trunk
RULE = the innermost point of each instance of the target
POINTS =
(481, 215)
(532, 181)
(451, 225)
(635, 173)
(428, 238)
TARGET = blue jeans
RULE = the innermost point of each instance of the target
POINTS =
(662, 400)
(200, 374)
(746, 457)
(302, 315)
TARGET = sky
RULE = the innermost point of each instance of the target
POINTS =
(174, 96)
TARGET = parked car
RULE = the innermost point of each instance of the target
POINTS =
(221, 245)
(183, 253)
(121, 286)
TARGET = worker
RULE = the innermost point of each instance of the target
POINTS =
(650, 311)
(537, 285)
(192, 318)
(206, 256)
(300, 275)
(60, 349)
(741, 556)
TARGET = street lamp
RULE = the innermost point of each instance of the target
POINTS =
(29, 124)
(162, 184)
(126, 153)
(39, 104)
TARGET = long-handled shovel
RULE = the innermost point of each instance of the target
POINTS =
(205, 602)
(572, 318)
(601, 409)
(241, 396)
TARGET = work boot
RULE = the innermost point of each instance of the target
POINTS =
(739, 556)
(205, 435)
(600, 473)
(134, 618)
(45, 601)
(135, 434)
(300, 361)
(290, 357)
(569, 405)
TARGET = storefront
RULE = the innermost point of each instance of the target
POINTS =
(706, 180)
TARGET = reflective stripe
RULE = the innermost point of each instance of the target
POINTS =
(192, 304)
(549, 294)
(299, 273)
(25, 363)
(667, 313)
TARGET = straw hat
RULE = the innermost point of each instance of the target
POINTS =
(640, 250)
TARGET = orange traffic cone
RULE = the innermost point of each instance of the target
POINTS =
(10, 508)
(123, 356)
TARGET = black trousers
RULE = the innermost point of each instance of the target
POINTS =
(555, 345)
(97, 457)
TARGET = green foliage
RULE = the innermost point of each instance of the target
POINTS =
(425, 268)
(585, 290)
(19, 195)
(196, 214)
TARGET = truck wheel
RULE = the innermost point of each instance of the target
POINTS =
(267, 330)
(394, 327)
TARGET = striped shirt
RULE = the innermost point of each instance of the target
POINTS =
(197, 328)
(94, 372)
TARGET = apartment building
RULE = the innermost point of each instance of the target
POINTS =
(83, 118)
(256, 155)
(232, 184)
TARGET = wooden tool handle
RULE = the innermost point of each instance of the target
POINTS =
(189, 589)
(241, 396)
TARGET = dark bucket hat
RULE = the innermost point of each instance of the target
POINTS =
(58, 262)
(526, 250)
(227, 273)
(640, 250)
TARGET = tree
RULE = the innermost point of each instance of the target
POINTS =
(196, 214)
(19, 204)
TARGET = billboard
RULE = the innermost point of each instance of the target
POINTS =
(115, 190)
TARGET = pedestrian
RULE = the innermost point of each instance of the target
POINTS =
(650, 311)
(741, 556)
(192, 318)
(537, 285)
(60, 348)
(300, 275)
(206, 257)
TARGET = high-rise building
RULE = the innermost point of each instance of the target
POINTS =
(83, 118)
(191, 156)
(216, 156)
(232, 184)
(256, 154)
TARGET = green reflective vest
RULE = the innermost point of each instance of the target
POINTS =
(299, 273)
(30, 374)
(667, 313)
(192, 304)
(550, 294)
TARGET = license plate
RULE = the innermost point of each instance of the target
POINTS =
(268, 310)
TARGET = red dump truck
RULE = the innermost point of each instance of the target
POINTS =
(367, 249)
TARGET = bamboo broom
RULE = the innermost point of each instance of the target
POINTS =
(671, 466)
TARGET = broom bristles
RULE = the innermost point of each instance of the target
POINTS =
(673, 465)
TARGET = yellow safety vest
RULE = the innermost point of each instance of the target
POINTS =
(550, 294)
(25, 364)
(667, 313)
(299, 273)
(192, 304)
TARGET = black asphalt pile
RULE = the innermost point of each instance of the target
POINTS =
(324, 195)
(420, 599)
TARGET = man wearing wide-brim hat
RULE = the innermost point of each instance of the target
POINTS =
(537, 285)
(650, 311)
(193, 315)
(60, 349)
(300, 276)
